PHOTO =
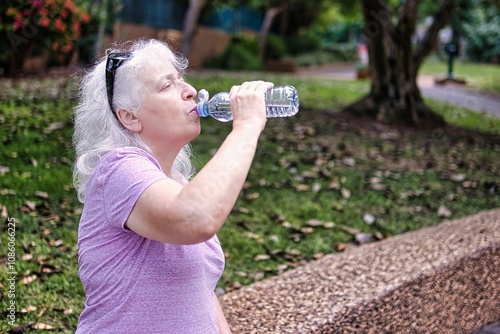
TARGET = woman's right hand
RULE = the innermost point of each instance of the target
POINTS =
(248, 104)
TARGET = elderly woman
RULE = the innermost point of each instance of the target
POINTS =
(148, 251)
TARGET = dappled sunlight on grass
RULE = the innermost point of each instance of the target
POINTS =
(320, 180)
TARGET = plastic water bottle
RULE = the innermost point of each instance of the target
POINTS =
(281, 101)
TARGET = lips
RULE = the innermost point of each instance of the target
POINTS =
(193, 111)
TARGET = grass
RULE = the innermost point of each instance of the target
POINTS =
(314, 175)
(485, 77)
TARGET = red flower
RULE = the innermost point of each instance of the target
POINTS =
(85, 17)
(59, 25)
(44, 22)
(17, 25)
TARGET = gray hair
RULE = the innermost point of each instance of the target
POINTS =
(97, 130)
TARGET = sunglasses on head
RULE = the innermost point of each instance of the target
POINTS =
(115, 60)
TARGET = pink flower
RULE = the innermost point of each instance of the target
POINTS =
(44, 22)
(17, 25)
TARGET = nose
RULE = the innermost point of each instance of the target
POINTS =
(189, 92)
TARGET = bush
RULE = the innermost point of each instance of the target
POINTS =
(276, 47)
(339, 53)
(242, 53)
(31, 25)
(483, 33)
(302, 42)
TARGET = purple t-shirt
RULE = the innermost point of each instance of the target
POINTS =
(134, 284)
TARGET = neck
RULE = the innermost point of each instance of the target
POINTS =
(166, 160)
(165, 156)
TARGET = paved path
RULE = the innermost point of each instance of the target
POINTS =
(454, 94)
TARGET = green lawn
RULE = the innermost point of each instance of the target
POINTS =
(318, 181)
(485, 77)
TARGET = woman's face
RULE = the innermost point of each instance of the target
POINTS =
(168, 116)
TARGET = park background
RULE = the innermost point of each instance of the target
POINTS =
(322, 181)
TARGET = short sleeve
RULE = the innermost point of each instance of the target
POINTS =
(125, 174)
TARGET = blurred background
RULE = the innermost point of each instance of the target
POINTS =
(240, 34)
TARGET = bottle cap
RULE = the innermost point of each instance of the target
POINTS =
(202, 107)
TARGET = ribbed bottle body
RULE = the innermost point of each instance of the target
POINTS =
(282, 101)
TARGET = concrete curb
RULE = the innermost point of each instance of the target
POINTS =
(441, 279)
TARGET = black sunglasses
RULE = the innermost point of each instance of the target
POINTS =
(115, 60)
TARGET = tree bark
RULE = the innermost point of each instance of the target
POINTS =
(190, 23)
(266, 25)
(394, 96)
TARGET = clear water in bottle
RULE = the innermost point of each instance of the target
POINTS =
(281, 101)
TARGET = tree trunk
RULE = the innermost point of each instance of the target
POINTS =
(394, 95)
(266, 25)
(190, 23)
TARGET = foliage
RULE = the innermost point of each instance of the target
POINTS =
(242, 53)
(482, 29)
(276, 48)
(303, 41)
(336, 53)
(55, 24)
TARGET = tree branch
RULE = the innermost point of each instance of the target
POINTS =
(440, 19)
(408, 14)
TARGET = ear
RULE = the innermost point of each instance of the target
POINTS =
(129, 120)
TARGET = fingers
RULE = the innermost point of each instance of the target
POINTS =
(248, 102)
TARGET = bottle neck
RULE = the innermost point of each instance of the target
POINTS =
(202, 109)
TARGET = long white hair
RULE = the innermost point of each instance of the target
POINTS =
(97, 130)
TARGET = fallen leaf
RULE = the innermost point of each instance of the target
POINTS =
(31, 205)
(42, 194)
(4, 170)
(334, 184)
(346, 193)
(307, 230)
(329, 225)
(316, 187)
(368, 218)
(53, 126)
(319, 255)
(261, 257)
(26, 257)
(340, 247)
(349, 230)
(443, 211)
(363, 238)
(240, 210)
(315, 222)
(41, 325)
(282, 267)
(28, 279)
(458, 177)
(302, 187)
(338, 207)
(378, 186)
(253, 236)
(252, 196)
(50, 217)
(348, 161)
(274, 238)
(258, 276)
(6, 192)
(309, 174)
(28, 308)
(469, 184)
(3, 211)
(56, 243)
